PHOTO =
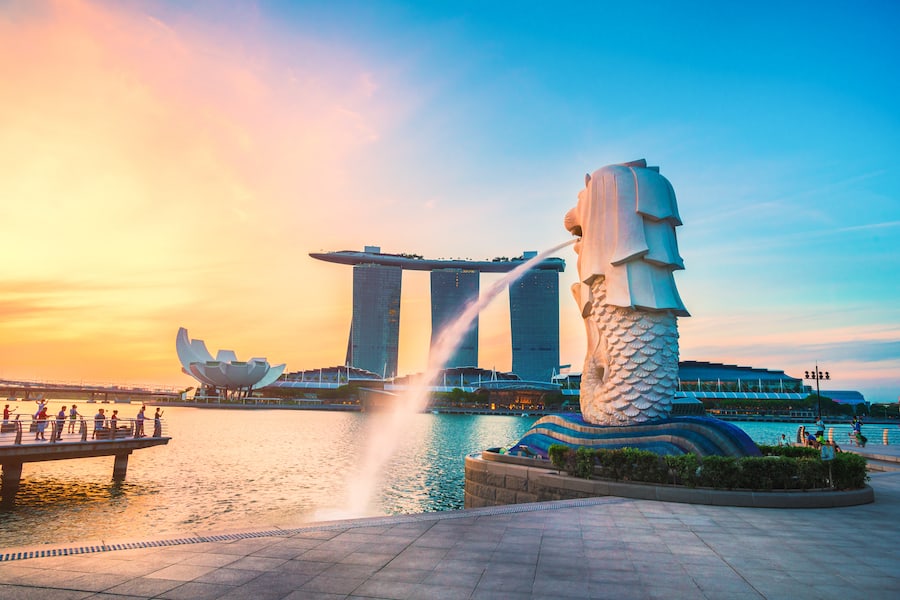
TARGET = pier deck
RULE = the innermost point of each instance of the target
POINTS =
(19, 446)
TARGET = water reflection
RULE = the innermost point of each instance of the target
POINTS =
(237, 469)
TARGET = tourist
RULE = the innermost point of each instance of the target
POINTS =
(857, 433)
(157, 423)
(783, 441)
(820, 426)
(811, 441)
(114, 424)
(139, 423)
(42, 405)
(60, 422)
(99, 423)
(40, 423)
(73, 414)
(6, 414)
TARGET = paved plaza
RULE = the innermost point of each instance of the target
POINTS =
(597, 548)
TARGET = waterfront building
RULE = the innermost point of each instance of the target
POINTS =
(534, 325)
(375, 328)
(374, 332)
(711, 382)
(451, 291)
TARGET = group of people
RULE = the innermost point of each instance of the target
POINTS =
(101, 423)
(816, 440)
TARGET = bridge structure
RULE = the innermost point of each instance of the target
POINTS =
(99, 392)
(21, 442)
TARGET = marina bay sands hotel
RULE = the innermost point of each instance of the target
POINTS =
(375, 327)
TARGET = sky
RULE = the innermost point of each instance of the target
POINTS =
(169, 164)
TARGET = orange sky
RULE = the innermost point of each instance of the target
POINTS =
(154, 178)
(167, 165)
(177, 174)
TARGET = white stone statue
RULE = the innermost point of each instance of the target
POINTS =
(626, 218)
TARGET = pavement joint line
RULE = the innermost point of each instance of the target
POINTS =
(324, 526)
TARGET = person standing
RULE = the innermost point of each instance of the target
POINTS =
(41, 422)
(6, 414)
(157, 423)
(99, 422)
(857, 430)
(820, 427)
(60, 422)
(73, 414)
(114, 425)
(139, 423)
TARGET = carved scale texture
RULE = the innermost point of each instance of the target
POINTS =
(631, 373)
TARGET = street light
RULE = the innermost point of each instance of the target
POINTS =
(818, 376)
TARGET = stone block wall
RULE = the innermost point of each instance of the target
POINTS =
(496, 484)
(496, 480)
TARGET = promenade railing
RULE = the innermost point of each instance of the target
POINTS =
(29, 430)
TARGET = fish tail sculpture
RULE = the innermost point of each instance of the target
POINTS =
(626, 217)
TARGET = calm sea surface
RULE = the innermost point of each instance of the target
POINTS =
(227, 470)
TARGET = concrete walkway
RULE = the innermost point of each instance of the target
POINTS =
(597, 548)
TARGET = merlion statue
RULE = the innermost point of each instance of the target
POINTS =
(626, 218)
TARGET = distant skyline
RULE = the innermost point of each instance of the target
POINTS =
(167, 164)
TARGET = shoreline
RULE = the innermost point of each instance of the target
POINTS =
(270, 404)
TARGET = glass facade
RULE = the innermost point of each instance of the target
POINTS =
(534, 324)
(375, 329)
(451, 291)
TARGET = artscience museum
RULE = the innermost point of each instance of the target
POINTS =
(224, 374)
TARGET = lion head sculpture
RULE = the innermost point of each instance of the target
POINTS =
(625, 218)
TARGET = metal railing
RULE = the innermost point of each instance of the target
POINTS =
(20, 431)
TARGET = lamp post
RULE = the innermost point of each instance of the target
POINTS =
(818, 376)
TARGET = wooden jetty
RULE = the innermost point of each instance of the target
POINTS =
(18, 447)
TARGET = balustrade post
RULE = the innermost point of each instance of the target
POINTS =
(83, 430)
(884, 437)
(18, 441)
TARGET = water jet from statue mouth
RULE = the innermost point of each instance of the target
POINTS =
(387, 432)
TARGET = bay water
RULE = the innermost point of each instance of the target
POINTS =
(240, 470)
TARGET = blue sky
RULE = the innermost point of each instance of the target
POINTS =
(464, 129)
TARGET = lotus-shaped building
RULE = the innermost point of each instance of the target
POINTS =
(225, 371)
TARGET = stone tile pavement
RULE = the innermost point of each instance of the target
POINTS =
(597, 548)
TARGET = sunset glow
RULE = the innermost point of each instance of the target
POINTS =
(173, 164)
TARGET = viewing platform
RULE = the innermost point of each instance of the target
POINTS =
(20, 442)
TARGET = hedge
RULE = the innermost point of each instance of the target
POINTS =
(785, 468)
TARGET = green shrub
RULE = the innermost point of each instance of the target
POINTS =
(792, 451)
(812, 474)
(613, 464)
(558, 454)
(778, 472)
(719, 472)
(849, 471)
(756, 474)
(683, 469)
(585, 459)
(646, 466)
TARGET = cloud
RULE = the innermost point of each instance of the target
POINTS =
(160, 166)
